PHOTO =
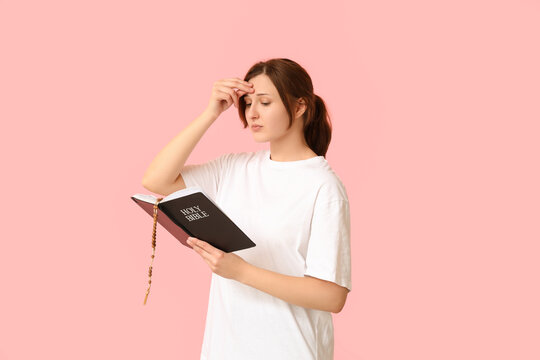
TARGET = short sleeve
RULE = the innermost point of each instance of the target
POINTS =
(329, 247)
(208, 175)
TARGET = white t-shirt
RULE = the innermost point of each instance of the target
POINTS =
(297, 214)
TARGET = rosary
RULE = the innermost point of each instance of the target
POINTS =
(153, 249)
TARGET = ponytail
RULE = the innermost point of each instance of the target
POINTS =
(317, 127)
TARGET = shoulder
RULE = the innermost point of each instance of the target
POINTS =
(232, 160)
(242, 156)
(330, 187)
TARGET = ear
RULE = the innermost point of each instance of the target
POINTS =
(300, 107)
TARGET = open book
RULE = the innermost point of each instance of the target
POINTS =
(190, 212)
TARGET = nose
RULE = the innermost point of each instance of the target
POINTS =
(251, 112)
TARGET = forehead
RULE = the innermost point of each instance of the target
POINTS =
(263, 84)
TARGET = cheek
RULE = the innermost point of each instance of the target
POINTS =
(280, 124)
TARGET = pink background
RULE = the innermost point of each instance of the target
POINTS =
(436, 115)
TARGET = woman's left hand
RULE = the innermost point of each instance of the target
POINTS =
(227, 265)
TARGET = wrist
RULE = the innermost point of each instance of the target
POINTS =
(210, 115)
(245, 271)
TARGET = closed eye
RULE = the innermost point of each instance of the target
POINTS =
(265, 104)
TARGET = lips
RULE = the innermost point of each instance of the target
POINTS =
(255, 126)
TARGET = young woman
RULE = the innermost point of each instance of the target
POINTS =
(274, 300)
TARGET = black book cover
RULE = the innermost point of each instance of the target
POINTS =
(190, 212)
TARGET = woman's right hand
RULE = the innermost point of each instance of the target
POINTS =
(223, 94)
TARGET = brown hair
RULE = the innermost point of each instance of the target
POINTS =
(292, 83)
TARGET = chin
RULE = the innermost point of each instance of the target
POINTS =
(260, 138)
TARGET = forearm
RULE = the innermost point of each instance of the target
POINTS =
(307, 292)
(169, 162)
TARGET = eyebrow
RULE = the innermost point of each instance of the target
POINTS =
(259, 94)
